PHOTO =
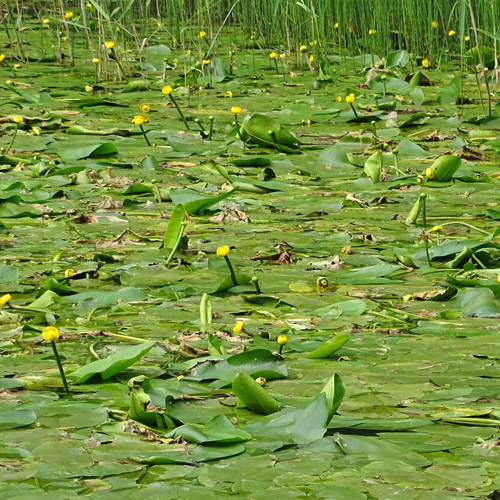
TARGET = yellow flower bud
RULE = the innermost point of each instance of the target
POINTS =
(273, 55)
(466, 38)
(228, 95)
(95, 60)
(118, 29)
(236, 110)
(435, 24)
(338, 98)
(437, 229)
(223, 251)
(372, 32)
(261, 381)
(205, 62)
(167, 90)
(303, 48)
(498, 278)
(311, 58)
(18, 119)
(50, 334)
(145, 108)
(2, 57)
(138, 120)
(68, 15)
(282, 339)
(429, 173)
(238, 327)
(452, 33)
(202, 34)
(336, 26)
(4, 299)
(89, 88)
(68, 273)
(46, 21)
(426, 63)
(110, 45)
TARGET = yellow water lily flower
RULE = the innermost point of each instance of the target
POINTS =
(372, 32)
(350, 98)
(467, 38)
(437, 229)
(202, 34)
(223, 251)
(205, 62)
(338, 98)
(110, 45)
(138, 120)
(46, 21)
(2, 57)
(408, 297)
(311, 58)
(228, 95)
(273, 55)
(303, 48)
(452, 33)
(35, 131)
(89, 88)
(69, 272)
(336, 26)
(236, 110)
(50, 333)
(167, 90)
(69, 14)
(145, 107)
(4, 299)
(429, 173)
(434, 24)
(18, 119)
(96, 60)
(426, 63)
(238, 327)
(282, 339)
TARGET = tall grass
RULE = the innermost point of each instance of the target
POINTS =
(284, 24)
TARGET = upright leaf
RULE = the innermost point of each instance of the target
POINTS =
(253, 396)
(373, 166)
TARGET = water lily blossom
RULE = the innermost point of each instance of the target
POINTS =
(4, 299)
(238, 327)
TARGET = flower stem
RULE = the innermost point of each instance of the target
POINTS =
(231, 270)
(210, 132)
(59, 365)
(427, 252)
(354, 111)
(145, 136)
(13, 138)
(181, 114)
(424, 211)
(238, 127)
(255, 281)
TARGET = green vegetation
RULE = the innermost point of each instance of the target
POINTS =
(249, 250)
